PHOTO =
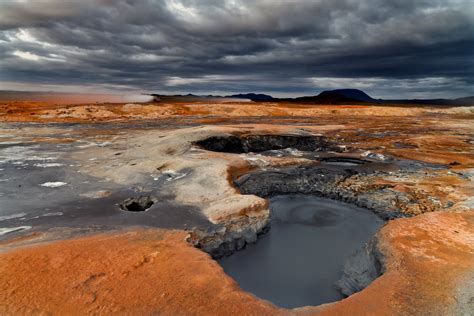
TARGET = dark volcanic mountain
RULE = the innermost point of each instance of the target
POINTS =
(339, 96)
(353, 94)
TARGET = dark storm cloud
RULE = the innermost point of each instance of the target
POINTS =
(421, 48)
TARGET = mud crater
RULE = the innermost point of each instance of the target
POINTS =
(259, 143)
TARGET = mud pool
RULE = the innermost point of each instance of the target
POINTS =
(299, 260)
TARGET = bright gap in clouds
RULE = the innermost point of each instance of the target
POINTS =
(26, 55)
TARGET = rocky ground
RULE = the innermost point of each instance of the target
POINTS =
(204, 172)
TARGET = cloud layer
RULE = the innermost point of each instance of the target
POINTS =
(392, 48)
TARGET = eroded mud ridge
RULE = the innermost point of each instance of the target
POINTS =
(230, 236)
(259, 143)
(321, 181)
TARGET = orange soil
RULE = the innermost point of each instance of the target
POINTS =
(155, 272)
(142, 272)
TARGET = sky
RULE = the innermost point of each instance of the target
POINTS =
(387, 48)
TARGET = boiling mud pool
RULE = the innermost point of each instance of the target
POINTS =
(298, 261)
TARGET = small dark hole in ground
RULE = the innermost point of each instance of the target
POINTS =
(137, 204)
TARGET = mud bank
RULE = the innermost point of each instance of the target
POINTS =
(232, 234)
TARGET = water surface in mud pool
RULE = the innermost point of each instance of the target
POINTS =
(298, 261)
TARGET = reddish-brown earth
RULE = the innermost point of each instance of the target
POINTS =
(57, 111)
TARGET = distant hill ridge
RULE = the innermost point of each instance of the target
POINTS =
(355, 96)
(252, 96)
(337, 96)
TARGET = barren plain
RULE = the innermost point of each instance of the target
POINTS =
(124, 208)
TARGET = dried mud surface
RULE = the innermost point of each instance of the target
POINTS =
(428, 258)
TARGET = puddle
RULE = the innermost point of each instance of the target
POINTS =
(342, 161)
(298, 262)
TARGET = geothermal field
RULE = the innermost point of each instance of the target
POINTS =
(236, 157)
(259, 208)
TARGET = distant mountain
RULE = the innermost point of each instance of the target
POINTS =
(352, 94)
(339, 96)
(258, 97)
(196, 98)
(252, 96)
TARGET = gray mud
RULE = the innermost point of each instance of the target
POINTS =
(41, 188)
